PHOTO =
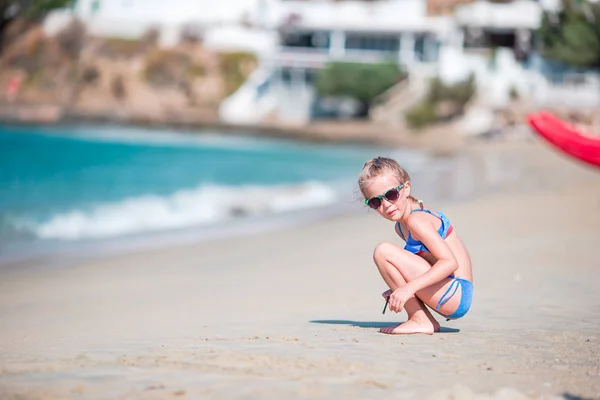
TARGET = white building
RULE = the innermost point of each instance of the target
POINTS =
(311, 34)
(227, 23)
(293, 38)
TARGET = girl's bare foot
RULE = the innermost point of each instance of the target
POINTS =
(413, 325)
(436, 325)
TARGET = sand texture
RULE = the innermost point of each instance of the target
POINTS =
(294, 313)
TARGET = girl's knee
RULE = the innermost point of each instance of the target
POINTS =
(388, 253)
(383, 251)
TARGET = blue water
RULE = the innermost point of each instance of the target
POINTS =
(82, 182)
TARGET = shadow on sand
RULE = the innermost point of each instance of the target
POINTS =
(568, 396)
(372, 324)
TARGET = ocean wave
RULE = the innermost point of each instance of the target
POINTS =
(207, 204)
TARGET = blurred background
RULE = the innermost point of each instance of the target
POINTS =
(130, 117)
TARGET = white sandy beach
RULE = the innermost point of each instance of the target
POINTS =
(294, 313)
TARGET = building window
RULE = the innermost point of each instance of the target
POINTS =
(313, 40)
(355, 41)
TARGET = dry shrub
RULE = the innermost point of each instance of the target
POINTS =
(171, 68)
(13, 31)
(90, 75)
(34, 53)
(119, 48)
(235, 68)
(72, 39)
(117, 88)
(192, 34)
(149, 39)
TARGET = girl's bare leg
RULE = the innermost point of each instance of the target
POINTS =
(420, 319)
(398, 266)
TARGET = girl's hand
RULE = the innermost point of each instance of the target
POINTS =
(399, 298)
(387, 293)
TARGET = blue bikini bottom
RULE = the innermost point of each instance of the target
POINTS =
(465, 299)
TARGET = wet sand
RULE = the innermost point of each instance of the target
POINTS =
(294, 313)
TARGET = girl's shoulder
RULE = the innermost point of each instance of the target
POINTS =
(426, 220)
(418, 217)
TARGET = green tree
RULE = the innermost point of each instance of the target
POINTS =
(31, 9)
(362, 82)
(573, 35)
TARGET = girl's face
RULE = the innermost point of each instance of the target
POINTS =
(378, 186)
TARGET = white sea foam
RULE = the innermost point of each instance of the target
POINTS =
(185, 208)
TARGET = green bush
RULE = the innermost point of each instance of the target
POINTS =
(462, 92)
(514, 93)
(456, 96)
(421, 115)
(363, 82)
(459, 93)
(572, 36)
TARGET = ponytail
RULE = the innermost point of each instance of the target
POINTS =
(410, 197)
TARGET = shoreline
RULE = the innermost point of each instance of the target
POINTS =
(45, 251)
(56, 252)
(357, 132)
(455, 168)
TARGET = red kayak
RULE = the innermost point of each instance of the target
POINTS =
(566, 137)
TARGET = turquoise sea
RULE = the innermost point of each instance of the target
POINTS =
(64, 184)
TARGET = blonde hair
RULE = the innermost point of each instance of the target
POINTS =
(379, 166)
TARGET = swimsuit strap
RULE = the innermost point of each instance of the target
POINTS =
(398, 223)
(445, 297)
(443, 227)
(425, 210)
(417, 209)
(445, 222)
(400, 231)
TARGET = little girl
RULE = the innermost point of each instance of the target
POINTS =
(433, 268)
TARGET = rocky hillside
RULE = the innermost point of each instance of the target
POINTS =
(82, 76)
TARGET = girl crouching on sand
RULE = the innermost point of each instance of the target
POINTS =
(433, 268)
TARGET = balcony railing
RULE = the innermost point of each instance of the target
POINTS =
(317, 58)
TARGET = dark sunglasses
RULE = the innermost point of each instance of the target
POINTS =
(391, 195)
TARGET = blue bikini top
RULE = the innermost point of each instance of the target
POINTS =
(416, 246)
